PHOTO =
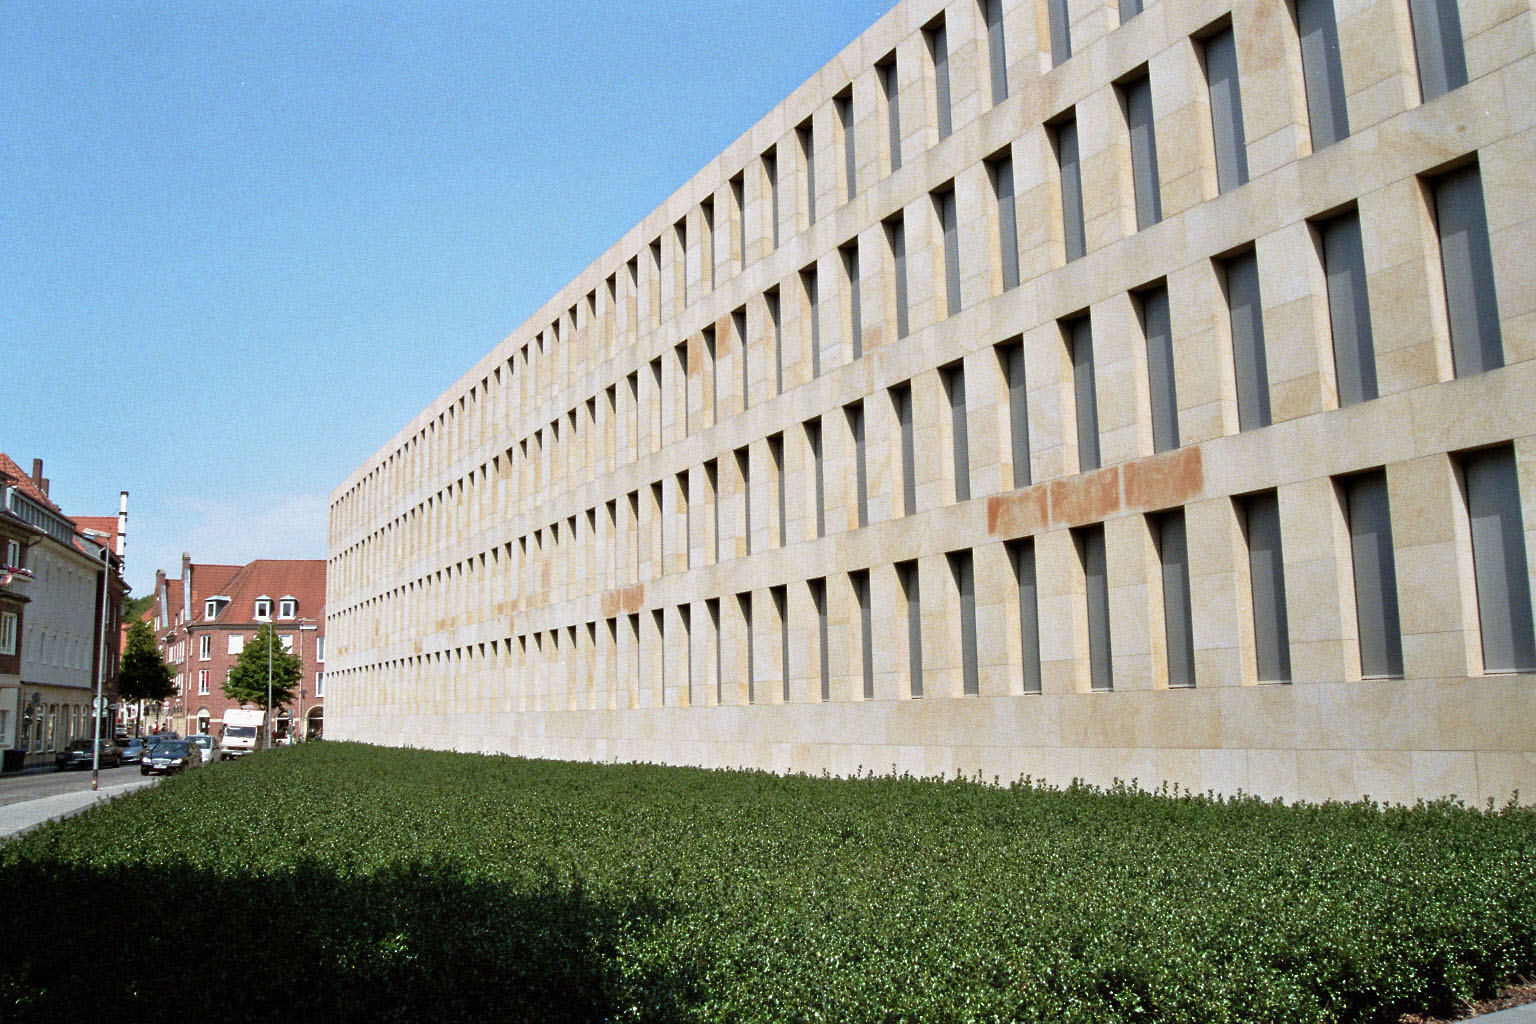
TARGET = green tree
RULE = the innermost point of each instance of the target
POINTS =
(247, 681)
(143, 674)
(134, 607)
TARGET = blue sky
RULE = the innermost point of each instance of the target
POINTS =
(246, 242)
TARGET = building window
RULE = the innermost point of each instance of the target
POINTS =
(938, 52)
(944, 205)
(859, 581)
(819, 472)
(1090, 553)
(13, 554)
(953, 379)
(1220, 52)
(287, 641)
(805, 137)
(1000, 171)
(1492, 491)
(287, 608)
(843, 102)
(1064, 132)
(962, 568)
(1021, 558)
(1079, 337)
(810, 329)
(907, 580)
(1349, 310)
(1437, 46)
(901, 404)
(818, 588)
(204, 647)
(319, 684)
(855, 416)
(320, 647)
(1060, 29)
(1010, 356)
(1136, 100)
(1178, 630)
(1466, 261)
(896, 236)
(263, 609)
(890, 92)
(236, 643)
(202, 682)
(1322, 72)
(8, 621)
(850, 259)
(1152, 310)
(1266, 571)
(1129, 9)
(210, 609)
(1375, 573)
(997, 49)
(1246, 316)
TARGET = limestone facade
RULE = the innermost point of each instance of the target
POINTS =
(1045, 387)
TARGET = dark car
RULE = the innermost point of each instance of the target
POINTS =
(78, 755)
(170, 756)
(133, 749)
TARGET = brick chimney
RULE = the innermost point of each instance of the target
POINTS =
(38, 478)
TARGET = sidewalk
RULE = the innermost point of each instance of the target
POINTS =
(27, 815)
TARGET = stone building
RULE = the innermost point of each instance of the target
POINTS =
(1056, 387)
(202, 619)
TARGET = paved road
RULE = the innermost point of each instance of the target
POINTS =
(27, 800)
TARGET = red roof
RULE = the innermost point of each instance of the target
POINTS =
(302, 579)
(17, 477)
(100, 524)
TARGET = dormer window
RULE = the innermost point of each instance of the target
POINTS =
(287, 607)
(213, 606)
(263, 608)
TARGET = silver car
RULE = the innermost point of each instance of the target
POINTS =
(212, 750)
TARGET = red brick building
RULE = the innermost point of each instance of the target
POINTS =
(203, 619)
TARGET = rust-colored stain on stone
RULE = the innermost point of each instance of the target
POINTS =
(626, 600)
(1161, 481)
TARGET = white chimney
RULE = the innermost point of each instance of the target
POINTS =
(122, 523)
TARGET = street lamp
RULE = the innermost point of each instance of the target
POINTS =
(101, 663)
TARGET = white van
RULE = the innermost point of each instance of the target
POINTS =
(244, 732)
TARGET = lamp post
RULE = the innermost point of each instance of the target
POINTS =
(267, 718)
(101, 665)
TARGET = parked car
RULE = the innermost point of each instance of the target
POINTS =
(171, 756)
(78, 755)
(133, 749)
(210, 747)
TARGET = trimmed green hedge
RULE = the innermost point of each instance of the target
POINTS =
(356, 883)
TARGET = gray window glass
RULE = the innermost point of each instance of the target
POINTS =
(1090, 549)
(1152, 306)
(1011, 356)
(807, 139)
(860, 581)
(997, 50)
(844, 105)
(744, 602)
(1249, 361)
(1467, 263)
(1499, 561)
(1071, 189)
(1438, 47)
(776, 456)
(963, 570)
(1007, 219)
(1021, 555)
(823, 657)
(938, 50)
(776, 325)
(906, 576)
(1226, 110)
(771, 175)
(780, 597)
(855, 414)
(1375, 568)
(1322, 72)
(896, 232)
(1129, 9)
(945, 201)
(813, 441)
(1266, 570)
(1178, 628)
(1061, 30)
(744, 468)
(954, 388)
(1079, 335)
(901, 400)
(1349, 310)
(812, 289)
(890, 88)
(855, 313)
(1140, 121)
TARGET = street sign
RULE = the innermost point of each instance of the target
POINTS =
(100, 703)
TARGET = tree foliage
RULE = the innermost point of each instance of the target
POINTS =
(143, 675)
(247, 681)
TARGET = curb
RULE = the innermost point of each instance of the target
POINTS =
(17, 819)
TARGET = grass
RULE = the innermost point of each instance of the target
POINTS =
(350, 882)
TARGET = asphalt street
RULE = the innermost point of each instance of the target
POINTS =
(28, 799)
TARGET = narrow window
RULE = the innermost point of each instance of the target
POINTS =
(1498, 557)
(896, 235)
(680, 264)
(1021, 557)
(771, 179)
(744, 471)
(938, 52)
(855, 415)
(1010, 356)
(850, 258)
(1000, 170)
(813, 442)
(890, 91)
(744, 603)
(1079, 336)
(906, 578)
(953, 377)
(843, 104)
(1266, 572)
(1152, 310)
(997, 49)
(776, 464)
(1090, 551)
(812, 290)
(944, 203)
(738, 188)
(806, 137)
(1137, 97)
(707, 246)
(1129, 9)
(739, 332)
(1065, 132)
(780, 596)
(1437, 46)
(1370, 542)
(1178, 628)
(824, 660)
(1349, 311)
(1061, 31)
(1220, 51)
(1466, 262)
(712, 607)
(859, 581)
(901, 401)
(711, 358)
(712, 481)
(776, 327)
(1241, 274)
(961, 566)
(1322, 73)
